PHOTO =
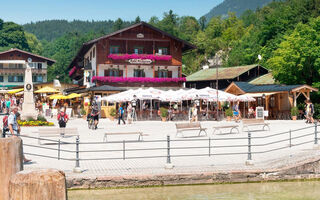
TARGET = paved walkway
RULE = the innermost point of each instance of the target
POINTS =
(158, 131)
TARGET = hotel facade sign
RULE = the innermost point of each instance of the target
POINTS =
(140, 61)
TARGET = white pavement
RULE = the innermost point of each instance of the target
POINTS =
(157, 130)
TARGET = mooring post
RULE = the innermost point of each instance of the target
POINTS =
(168, 164)
(77, 169)
(249, 160)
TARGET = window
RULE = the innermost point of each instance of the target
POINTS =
(37, 79)
(94, 52)
(90, 55)
(1, 78)
(163, 51)
(15, 78)
(114, 49)
(39, 65)
(1, 65)
(113, 72)
(163, 73)
(138, 73)
(15, 66)
(138, 50)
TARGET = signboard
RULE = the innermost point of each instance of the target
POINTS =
(140, 35)
(259, 113)
(140, 61)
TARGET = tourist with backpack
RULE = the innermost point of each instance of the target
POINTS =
(121, 112)
(63, 118)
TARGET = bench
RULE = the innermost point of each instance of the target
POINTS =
(57, 132)
(181, 127)
(254, 122)
(140, 135)
(218, 128)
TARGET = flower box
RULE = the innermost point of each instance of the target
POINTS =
(139, 56)
(111, 79)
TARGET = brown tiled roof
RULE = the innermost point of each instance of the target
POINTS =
(223, 73)
(50, 61)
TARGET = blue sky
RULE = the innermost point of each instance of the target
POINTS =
(24, 11)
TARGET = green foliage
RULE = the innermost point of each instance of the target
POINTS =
(41, 118)
(112, 112)
(316, 111)
(30, 119)
(82, 111)
(229, 112)
(12, 36)
(163, 112)
(294, 111)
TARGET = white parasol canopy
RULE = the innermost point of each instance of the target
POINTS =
(245, 98)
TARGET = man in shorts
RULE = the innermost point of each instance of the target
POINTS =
(95, 113)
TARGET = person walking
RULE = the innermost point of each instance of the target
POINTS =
(63, 118)
(310, 112)
(121, 111)
(95, 113)
(194, 113)
(14, 127)
(236, 112)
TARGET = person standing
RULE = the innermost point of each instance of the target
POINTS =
(129, 113)
(14, 127)
(194, 113)
(310, 112)
(236, 112)
(95, 113)
(8, 104)
(121, 112)
(63, 118)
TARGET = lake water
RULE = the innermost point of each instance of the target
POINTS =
(278, 191)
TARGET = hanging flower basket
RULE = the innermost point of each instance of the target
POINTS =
(139, 56)
(73, 70)
(111, 79)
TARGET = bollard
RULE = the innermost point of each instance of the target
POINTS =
(249, 160)
(77, 169)
(168, 164)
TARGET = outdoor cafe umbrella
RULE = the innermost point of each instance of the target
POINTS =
(47, 90)
(73, 95)
(15, 91)
(245, 98)
(57, 96)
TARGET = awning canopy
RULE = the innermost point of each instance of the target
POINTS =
(47, 90)
(259, 94)
(15, 91)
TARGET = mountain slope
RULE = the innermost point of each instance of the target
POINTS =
(237, 6)
(52, 29)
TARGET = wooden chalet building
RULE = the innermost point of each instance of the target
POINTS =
(226, 75)
(137, 56)
(13, 66)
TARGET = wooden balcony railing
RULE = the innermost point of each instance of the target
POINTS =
(21, 71)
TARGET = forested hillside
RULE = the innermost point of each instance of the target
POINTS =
(52, 29)
(236, 6)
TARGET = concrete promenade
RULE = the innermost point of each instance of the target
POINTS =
(157, 130)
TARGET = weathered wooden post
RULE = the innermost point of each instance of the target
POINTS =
(10, 162)
(44, 184)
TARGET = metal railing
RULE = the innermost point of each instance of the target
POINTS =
(167, 146)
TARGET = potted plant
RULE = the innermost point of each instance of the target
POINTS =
(112, 113)
(294, 113)
(83, 113)
(163, 114)
(229, 114)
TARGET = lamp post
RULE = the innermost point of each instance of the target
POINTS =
(217, 88)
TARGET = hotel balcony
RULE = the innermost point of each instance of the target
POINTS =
(5, 71)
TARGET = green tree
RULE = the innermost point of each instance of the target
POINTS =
(33, 43)
(12, 36)
(118, 24)
(297, 59)
(137, 20)
(202, 22)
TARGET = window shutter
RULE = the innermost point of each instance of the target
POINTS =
(120, 73)
(156, 74)
(143, 73)
(169, 74)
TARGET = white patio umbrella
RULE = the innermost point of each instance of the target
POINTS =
(222, 96)
(245, 98)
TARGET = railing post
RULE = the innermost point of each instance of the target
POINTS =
(316, 144)
(290, 142)
(168, 164)
(77, 169)
(59, 149)
(124, 149)
(249, 160)
(209, 146)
